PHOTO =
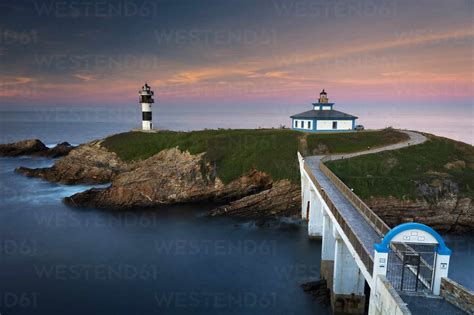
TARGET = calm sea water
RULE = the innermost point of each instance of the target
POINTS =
(58, 260)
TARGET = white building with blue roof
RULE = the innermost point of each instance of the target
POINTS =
(323, 118)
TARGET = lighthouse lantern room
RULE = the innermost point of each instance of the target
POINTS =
(146, 99)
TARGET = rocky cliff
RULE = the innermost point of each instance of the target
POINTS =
(87, 164)
(282, 199)
(169, 177)
(439, 204)
(448, 215)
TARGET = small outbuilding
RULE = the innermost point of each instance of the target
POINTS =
(323, 118)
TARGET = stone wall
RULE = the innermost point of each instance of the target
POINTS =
(458, 295)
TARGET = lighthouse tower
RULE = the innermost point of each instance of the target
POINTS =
(146, 99)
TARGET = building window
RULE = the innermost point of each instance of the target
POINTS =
(296, 124)
(334, 125)
(309, 125)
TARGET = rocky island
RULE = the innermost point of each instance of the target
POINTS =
(254, 173)
(34, 147)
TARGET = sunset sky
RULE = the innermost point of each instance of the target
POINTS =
(236, 52)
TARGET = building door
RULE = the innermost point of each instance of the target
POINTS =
(334, 125)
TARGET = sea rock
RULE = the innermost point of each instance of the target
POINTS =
(61, 149)
(318, 290)
(34, 147)
(25, 147)
(283, 199)
(86, 164)
(169, 177)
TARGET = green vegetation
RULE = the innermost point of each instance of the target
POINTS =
(236, 152)
(398, 172)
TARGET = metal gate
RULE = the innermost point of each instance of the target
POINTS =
(410, 267)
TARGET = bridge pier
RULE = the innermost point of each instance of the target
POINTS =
(347, 294)
(305, 198)
(327, 251)
(315, 220)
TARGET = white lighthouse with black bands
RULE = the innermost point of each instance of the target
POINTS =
(146, 99)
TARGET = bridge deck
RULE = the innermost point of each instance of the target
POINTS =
(366, 233)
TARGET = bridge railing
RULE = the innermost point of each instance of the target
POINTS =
(374, 220)
(359, 248)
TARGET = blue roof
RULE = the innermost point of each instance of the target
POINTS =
(324, 114)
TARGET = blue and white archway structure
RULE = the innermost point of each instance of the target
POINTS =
(414, 233)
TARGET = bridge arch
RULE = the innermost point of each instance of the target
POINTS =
(402, 249)
(400, 234)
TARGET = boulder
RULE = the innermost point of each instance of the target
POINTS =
(318, 290)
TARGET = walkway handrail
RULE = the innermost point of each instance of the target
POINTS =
(374, 220)
(359, 248)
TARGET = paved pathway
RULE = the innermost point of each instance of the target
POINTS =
(415, 138)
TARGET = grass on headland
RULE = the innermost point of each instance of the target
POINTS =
(238, 151)
(234, 152)
(399, 173)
